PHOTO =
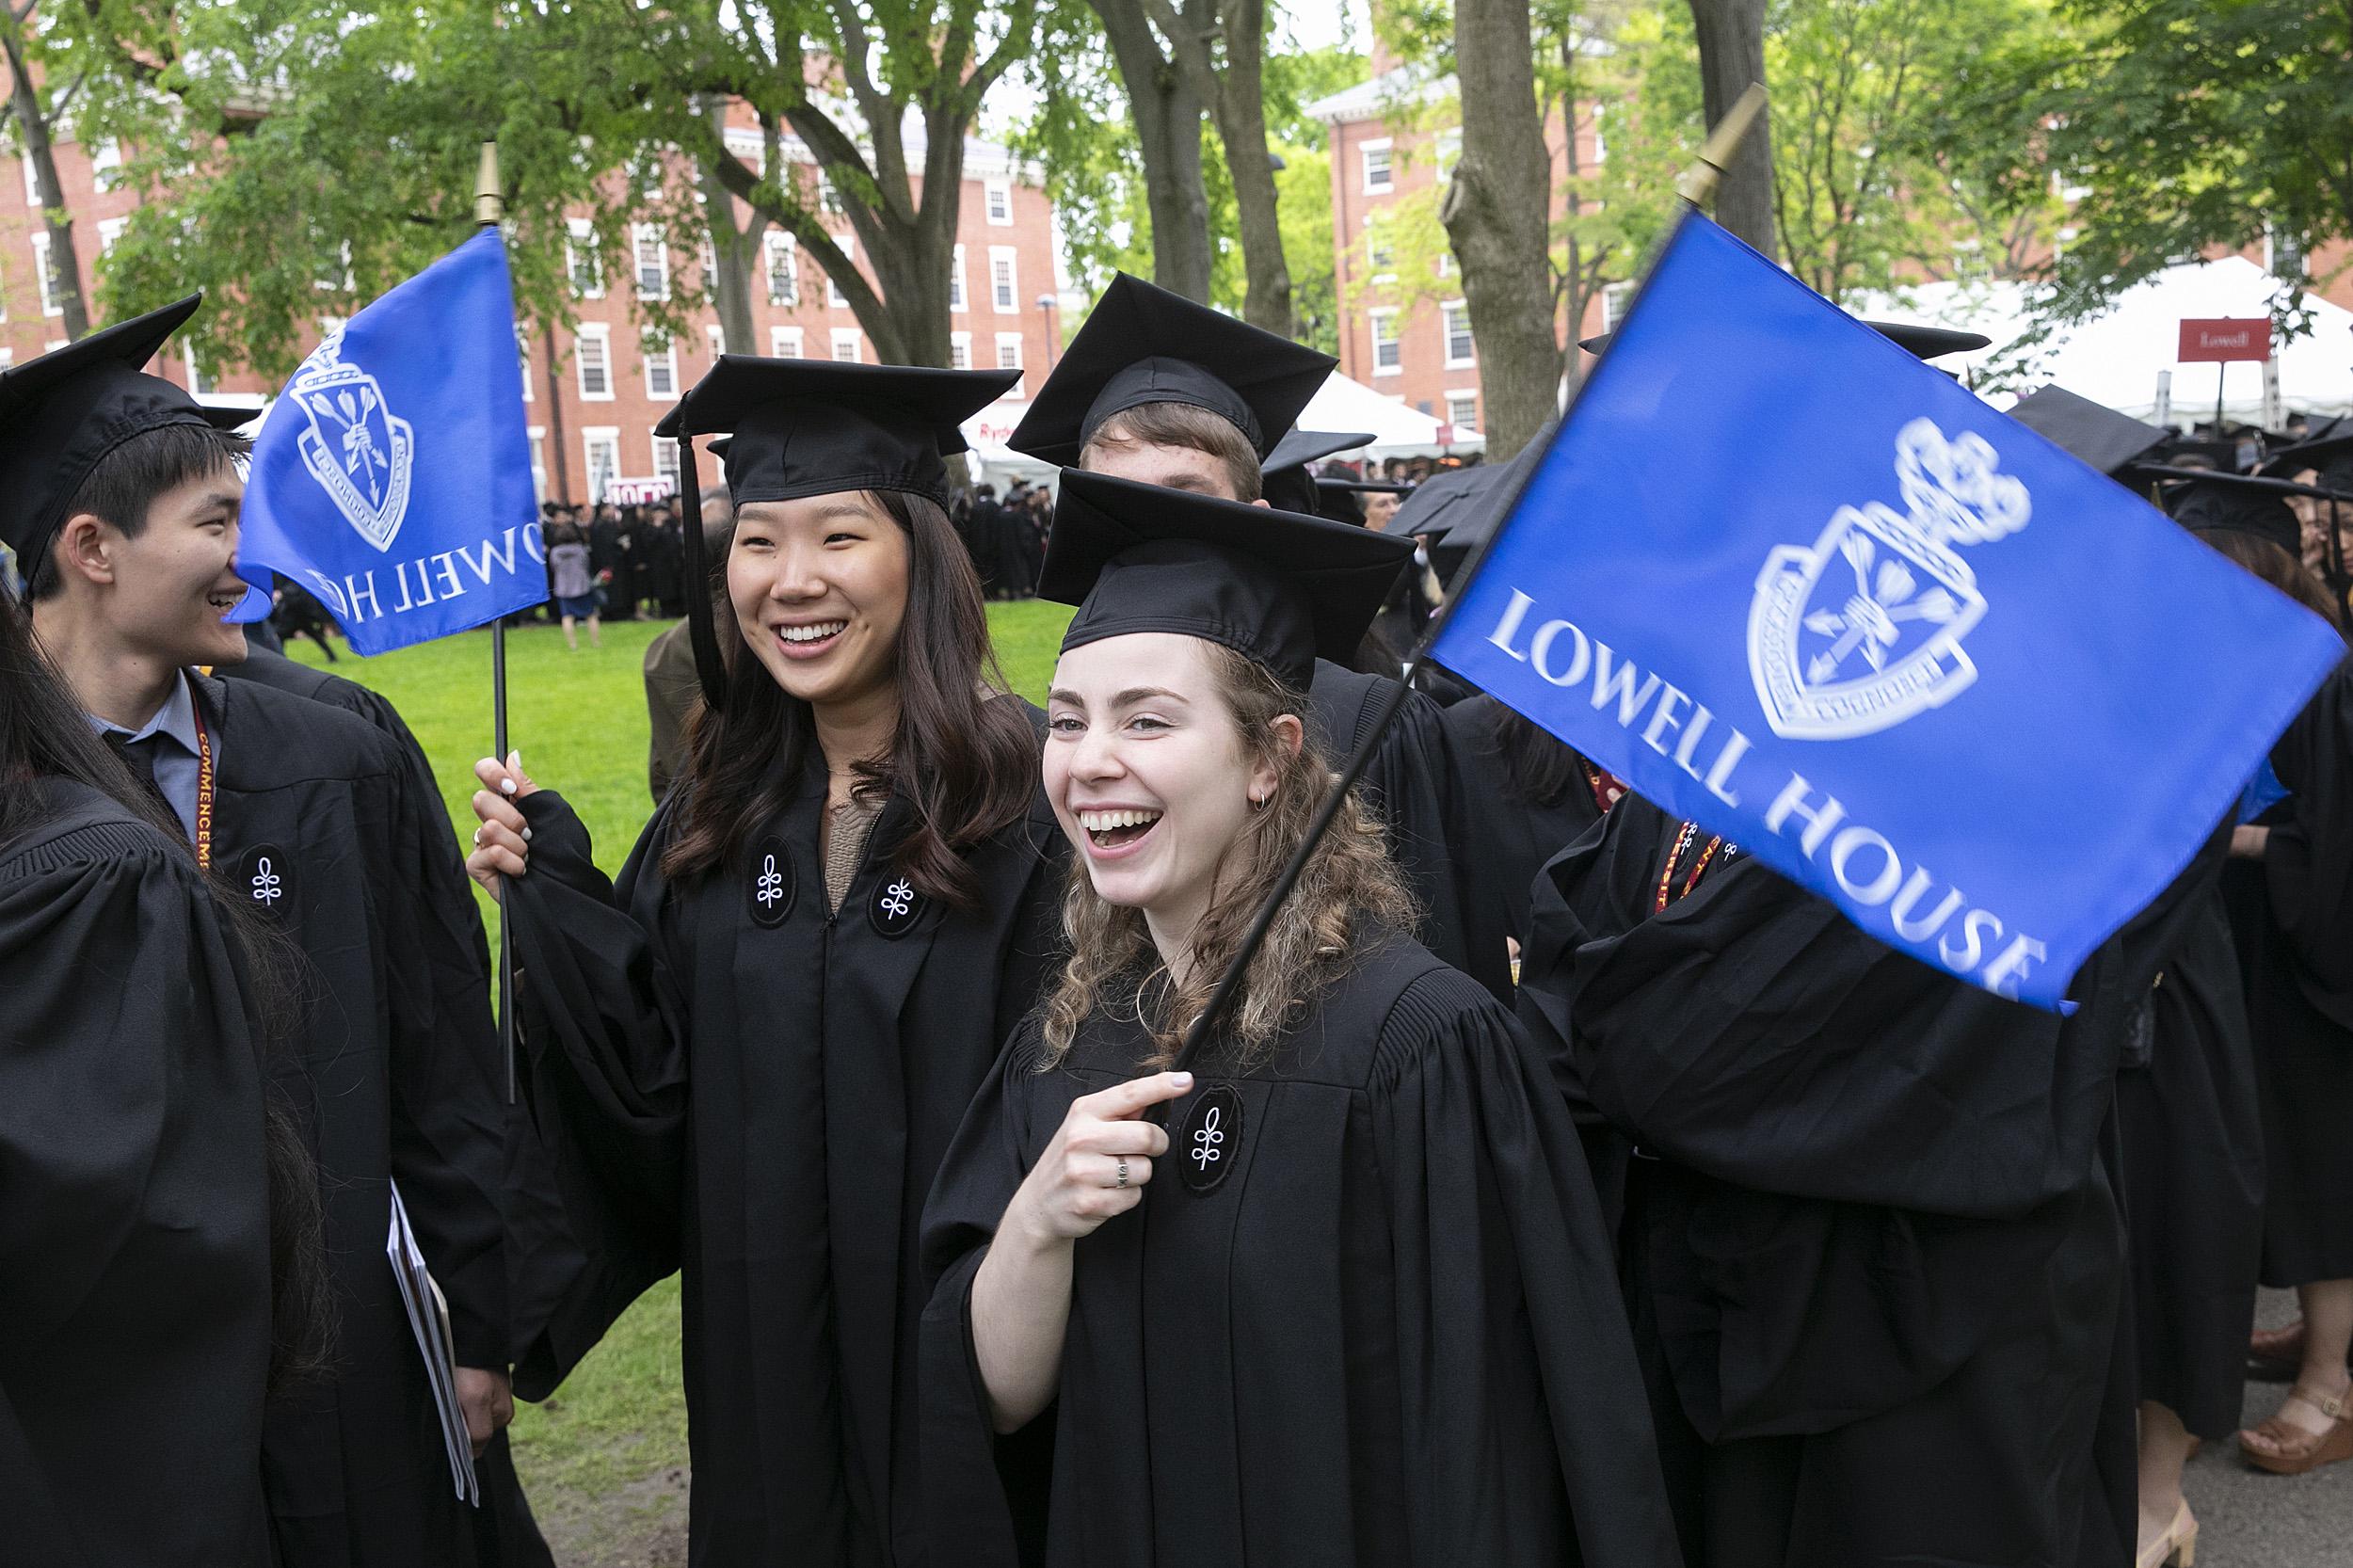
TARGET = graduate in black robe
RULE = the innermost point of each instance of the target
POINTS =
(310, 815)
(1526, 796)
(749, 1068)
(1355, 1304)
(135, 1315)
(539, 1263)
(1159, 388)
(1871, 1242)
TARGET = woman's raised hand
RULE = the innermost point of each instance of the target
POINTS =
(1098, 1163)
(503, 841)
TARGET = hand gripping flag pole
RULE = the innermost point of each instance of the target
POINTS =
(1697, 187)
(489, 206)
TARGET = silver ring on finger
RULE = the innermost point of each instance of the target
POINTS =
(1123, 1175)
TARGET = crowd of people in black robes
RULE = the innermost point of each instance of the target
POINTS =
(1493, 1223)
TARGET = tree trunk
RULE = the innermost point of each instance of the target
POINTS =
(561, 470)
(1167, 111)
(65, 268)
(1237, 102)
(734, 252)
(1731, 55)
(1497, 213)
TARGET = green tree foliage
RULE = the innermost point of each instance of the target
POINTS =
(2184, 126)
(1880, 174)
(299, 157)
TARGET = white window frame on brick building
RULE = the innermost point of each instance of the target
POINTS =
(583, 264)
(1454, 324)
(103, 155)
(200, 384)
(784, 342)
(540, 462)
(608, 438)
(1614, 301)
(997, 202)
(958, 299)
(1376, 324)
(715, 337)
(665, 460)
(1462, 410)
(835, 299)
(109, 230)
(782, 254)
(42, 274)
(649, 259)
(601, 362)
(847, 337)
(960, 351)
(1005, 281)
(661, 369)
(1380, 173)
(32, 183)
(1008, 351)
(522, 359)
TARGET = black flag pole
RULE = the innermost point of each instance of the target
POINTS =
(489, 206)
(1696, 186)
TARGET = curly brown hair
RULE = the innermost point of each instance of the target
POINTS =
(1350, 890)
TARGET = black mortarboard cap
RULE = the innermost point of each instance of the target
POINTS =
(1284, 479)
(1472, 521)
(815, 427)
(1143, 344)
(63, 412)
(1278, 587)
(2227, 503)
(2330, 454)
(2099, 435)
(1442, 502)
(1924, 343)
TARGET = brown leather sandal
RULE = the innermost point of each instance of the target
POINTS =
(2299, 1450)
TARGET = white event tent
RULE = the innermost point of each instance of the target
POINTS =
(2117, 359)
(1398, 431)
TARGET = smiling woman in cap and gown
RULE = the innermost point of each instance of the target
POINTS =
(2289, 892)
(1355, 1306)
(751, 1051)
(310, 815)
(1157, 389)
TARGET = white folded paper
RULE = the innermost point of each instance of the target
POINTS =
(428, 1315)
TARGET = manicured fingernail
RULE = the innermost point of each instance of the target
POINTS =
(526, 833)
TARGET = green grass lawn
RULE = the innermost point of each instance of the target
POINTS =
(579, 718)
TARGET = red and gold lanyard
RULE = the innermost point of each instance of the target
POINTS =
(1674, 857)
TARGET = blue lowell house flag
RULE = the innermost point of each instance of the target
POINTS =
(1797, 586)
(393, 477)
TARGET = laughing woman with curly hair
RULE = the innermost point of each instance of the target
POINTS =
(1355, 1306)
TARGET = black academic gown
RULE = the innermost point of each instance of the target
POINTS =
(1411, 782)
(2292, 914)
(135, 1272)
(1375, 1325)
(2191, 1134)
(747, 1087)
(1505, 839)
(1871, 1243)
(538, 1265)
(395, 1074)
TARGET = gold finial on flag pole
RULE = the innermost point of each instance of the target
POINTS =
(1697, 184)
(489, 196)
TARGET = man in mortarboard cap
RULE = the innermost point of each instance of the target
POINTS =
(122, 501)
(1162, 391)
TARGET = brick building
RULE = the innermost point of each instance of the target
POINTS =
(597, 391)
(1415, 347)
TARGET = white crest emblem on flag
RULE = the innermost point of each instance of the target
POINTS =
(354, 448)
(1832, 663)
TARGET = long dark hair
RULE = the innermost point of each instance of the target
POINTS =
(2275, 566)
(44, 735)
(1538, 769)
(966, 762)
